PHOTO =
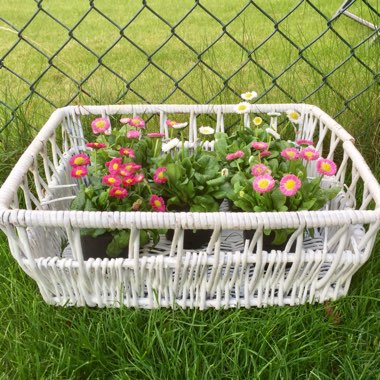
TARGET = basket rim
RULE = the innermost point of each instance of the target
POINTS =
(187, 220)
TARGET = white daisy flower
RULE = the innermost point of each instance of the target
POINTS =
(170, 145)
(294, 116)
(179, 125)
(206, 130)
(224, 172)
(249, 95)
(242, 107)
(273, 133)
(257, 120)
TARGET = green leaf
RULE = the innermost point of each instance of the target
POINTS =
(198, 208)
(89, 206)
(118, 243)
(278, 199)
(79, 201)
(103, 198)
(173, 173)
(216, 181)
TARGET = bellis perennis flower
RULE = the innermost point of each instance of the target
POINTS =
(294, 116)
(242, 107)
(260, 169)
(326, 167)
(249, 95)
(159, 175)
(80, 159)
(118, 192)
(206, 130)
(157, 203)
(259, 145)
(100, 125)
(234, 156)
(79, 171)
(175, 124)
(263, 183)
(289, 185)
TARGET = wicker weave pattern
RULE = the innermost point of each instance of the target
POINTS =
(44, 237)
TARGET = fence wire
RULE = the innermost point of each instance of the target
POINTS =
(79, 70)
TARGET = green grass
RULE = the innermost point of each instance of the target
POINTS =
(38, 341)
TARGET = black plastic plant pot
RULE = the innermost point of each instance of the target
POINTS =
(268, 244)
(95, 247)
(192, 239)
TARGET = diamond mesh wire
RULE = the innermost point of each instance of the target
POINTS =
(157, 52)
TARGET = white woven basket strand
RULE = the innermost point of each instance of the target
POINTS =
(44, 236)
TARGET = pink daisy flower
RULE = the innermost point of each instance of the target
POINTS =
(260, 169)
(111, 180)
(136, 122)
(263, 183)
(96, 145)
(259, 145)
(114, 165)
(118, 192)
(304, 142)
(123, 171)
(139, 177)
(78, 171)
(129, 181)
(326, 167)
(80, 159)
(125, 120)
(290, 154)
(159, 176)
(100, 125)
(132, 167)
(234, 156)
(129, 152)
(309, 154)
(265, 154)
(170, 123)
(155, 134)
(133, 134)
(157, 203)
(289, 185)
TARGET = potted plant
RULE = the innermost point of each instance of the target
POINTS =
(112, 173)
(189, 180)
(268, 173)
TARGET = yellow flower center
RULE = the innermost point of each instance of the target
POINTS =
(100, 124)
(79, 172)
(289, 185)
(79, 161)
(309, 154)
(111, 180)
(118, 192)
(263, 183)
(294, 115)
(157, 203)
(326, 167)
(115, 166)
(161, 175)
(257, 120)
(135, 121)
(242, 107)
(291, 154)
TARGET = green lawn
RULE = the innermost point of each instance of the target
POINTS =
(38, 341)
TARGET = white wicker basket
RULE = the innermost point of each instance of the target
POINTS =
(44, 237)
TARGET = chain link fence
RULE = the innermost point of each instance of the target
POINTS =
(158, 51)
